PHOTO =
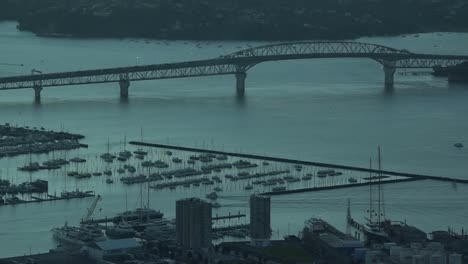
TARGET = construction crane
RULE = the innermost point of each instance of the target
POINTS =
(91, 209)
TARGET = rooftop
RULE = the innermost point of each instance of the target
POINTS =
(115, 244)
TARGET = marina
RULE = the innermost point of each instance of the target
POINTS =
(213, 171)
(16, 140)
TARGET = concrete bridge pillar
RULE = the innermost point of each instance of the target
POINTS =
(389, 71)
(240, 83)
(124, 85)
(37, 93)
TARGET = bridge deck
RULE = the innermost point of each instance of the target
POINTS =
(234, 63)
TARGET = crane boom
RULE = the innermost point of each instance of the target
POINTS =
(91, 209)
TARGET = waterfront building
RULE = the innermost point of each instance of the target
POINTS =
(415, 253)
(260, 220)
(112, 249)
(193, 224)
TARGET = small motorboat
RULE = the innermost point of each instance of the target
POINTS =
(458, 145)
(212, 196)
(352, 180)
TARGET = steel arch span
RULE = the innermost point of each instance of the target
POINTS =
(395, 58)
(315, 47)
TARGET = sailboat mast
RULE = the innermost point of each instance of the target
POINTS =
(348, 218)
(371, 209)
(379, 186)
(148, 202)
(382, 200)
(141, 195)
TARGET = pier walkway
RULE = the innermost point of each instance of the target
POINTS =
(214, 218)
(50, 198)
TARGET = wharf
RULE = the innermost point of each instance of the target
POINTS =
(334, 187)
(99, 221)
(230, 216)
(214, 218)
(301, 162)
(50, 198)
(230, 228)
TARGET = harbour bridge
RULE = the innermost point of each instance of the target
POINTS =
(237, 64)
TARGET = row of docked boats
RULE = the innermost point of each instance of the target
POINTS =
(123, 156)
(186, 183)
(329, 172)
(126, 225)
(75, 194)
(81, 175)
(53, 164)
(37, 186)
(37, 148)
(157, 164)
(246, 175)
(209, 157)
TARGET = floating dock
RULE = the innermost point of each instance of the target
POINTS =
(334, 187)
(230, 228)
(214, 218)
(230, 216)
(50, 198)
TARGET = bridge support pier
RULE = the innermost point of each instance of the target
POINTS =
(240, 83)
(389, 71)
(37, 93)
(124, 85)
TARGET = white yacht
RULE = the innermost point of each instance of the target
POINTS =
(78, 235)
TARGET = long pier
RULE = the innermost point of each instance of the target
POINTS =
(302, 162)
(229, 228)
(50, 198)
(224, 217)
(214, 218)
(344, 186)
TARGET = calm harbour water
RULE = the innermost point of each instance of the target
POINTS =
(320, 110)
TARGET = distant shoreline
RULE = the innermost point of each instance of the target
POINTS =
(84, 36)
(234, 20)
